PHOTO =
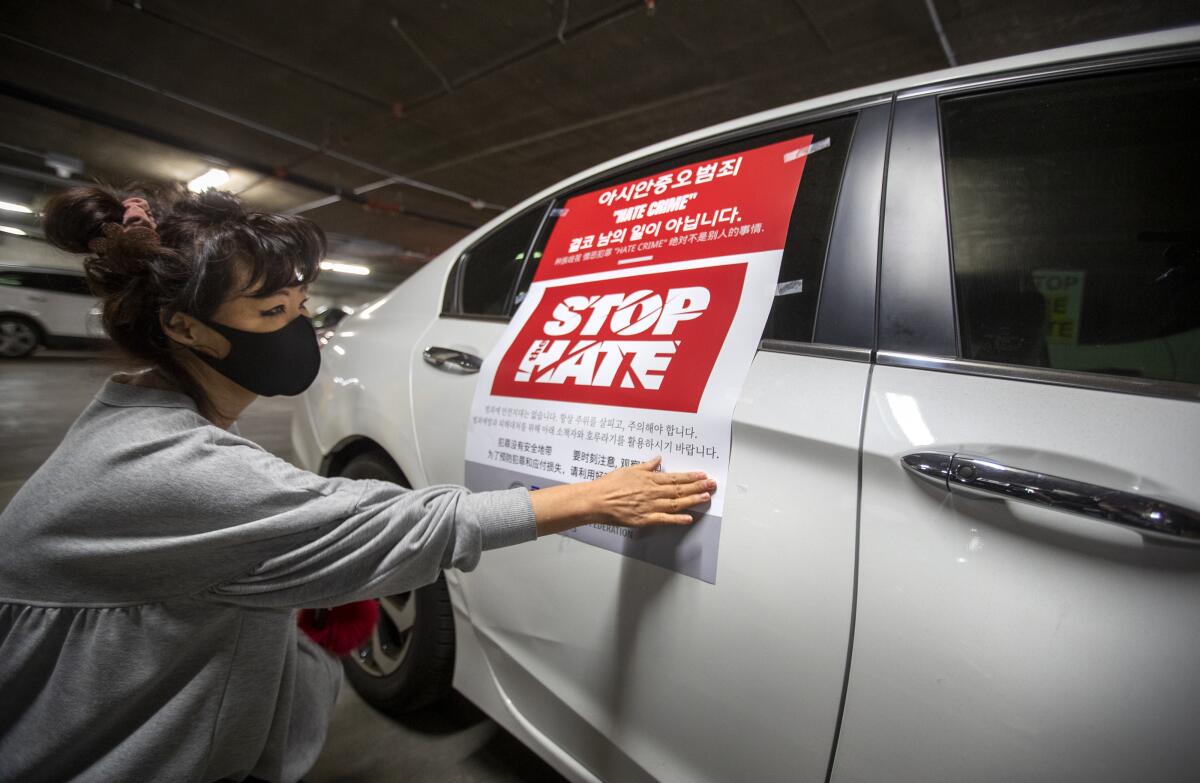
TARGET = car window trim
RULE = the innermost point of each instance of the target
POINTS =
(1146, 387)
(822, 350)
(852, 253)
(916, 308)
(1125, 62)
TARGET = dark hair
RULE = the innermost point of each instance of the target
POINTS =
(190, 263)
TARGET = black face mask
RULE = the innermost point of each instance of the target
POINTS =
(285, 361)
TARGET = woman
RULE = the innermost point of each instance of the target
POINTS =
(150, 568)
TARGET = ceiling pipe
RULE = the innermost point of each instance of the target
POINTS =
(551, 41)
(941, 34)
(421, 54)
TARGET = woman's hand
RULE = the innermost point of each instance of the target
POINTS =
(636, 496)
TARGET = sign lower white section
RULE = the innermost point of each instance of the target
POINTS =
(601, 371)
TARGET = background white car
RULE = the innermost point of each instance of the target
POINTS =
(961, 531)
(43, 306)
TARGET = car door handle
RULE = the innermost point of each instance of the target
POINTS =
(36, 298)
(982, 477)
(451, 360)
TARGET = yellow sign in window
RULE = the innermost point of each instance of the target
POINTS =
(1063, 291)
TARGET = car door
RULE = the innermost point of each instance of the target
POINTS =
(60, 301)
(1029, 574)
(68, 304)
(27, 293)
(476, 308)
(641, 673)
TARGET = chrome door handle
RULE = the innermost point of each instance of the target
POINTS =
(979, 476)
(451, 360)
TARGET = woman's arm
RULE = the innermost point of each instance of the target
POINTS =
(369, 538)
(635, 496)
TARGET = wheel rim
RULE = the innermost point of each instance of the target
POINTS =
(16, 338)
(388, 646)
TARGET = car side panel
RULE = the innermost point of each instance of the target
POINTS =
(998, 641)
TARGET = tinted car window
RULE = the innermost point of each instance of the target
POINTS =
(1075, 224)
(794, 309)
(62, 284)
(45, 281)
(486, 272)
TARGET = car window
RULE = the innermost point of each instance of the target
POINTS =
(1075, 224)
(794, 309)
(45, 281)
(485, 273)
(61, 283)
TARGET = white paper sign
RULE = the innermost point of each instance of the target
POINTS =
(635, 338)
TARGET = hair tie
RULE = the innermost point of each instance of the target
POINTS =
(137, 212)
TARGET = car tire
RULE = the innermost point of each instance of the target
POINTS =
(19, 337)
(408, 663)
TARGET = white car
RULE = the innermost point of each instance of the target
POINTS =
(961, 536)
(44, 306)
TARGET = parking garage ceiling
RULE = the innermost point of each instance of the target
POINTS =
(400, 126)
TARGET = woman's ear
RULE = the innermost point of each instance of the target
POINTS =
(190, 332)
(182, 328)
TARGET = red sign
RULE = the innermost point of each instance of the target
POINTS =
(646, 341)
(740, 203)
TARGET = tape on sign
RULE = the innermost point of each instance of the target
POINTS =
(789, 287)
(816, 146)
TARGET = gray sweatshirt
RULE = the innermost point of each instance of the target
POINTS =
(149, 573)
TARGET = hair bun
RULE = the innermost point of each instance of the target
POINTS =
(77, 216)
(122, 256)
(217, 206)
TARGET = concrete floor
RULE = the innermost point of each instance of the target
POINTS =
(455, 742)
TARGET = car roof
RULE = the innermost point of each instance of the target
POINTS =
(53, 270)
(1130, 44)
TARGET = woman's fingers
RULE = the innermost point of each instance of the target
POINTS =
(687, 501)
(679, 478)
(661, 518)
(677, 505)
(692, 488)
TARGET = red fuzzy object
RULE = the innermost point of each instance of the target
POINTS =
(340, 629)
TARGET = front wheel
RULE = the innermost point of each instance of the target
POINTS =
(408, 663)
(18, 337)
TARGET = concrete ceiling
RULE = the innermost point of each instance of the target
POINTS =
(441, 113)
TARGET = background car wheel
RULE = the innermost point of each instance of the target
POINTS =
(18, 337)
(408, 663)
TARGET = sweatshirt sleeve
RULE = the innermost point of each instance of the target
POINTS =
(145, 504)
(287, 537)
(393, 540)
